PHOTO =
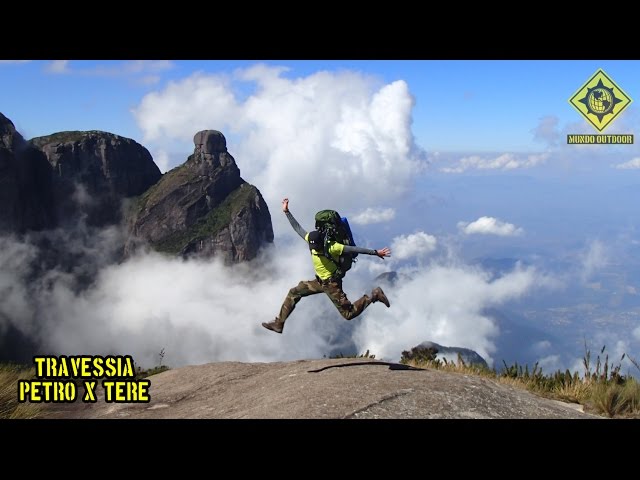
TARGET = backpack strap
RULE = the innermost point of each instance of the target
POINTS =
(316, 241)
(319, 241)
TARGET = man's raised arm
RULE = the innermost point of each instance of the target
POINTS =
(294, 223)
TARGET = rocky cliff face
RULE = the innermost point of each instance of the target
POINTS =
(62, 198)
(9, 137)
(203, 207)
(26, 191)
(93, 171)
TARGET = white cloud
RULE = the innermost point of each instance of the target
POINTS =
(550, 364)
(593, 259)
(326, 140)
(636, 333)
(137, 66)
(445, 305)
(374, 268)
(143, 72)
(13, 62)
(374, 215)
(16, 307)
(152, 302)
(161, 158)
(149, 80)
(631, 164)
(185, 107)
(490, 226)
(146, 69)
(547, 130)
(415, 245)
(58, 67)
(506, 161)
(541, 346)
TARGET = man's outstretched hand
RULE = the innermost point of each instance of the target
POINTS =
(285, 205)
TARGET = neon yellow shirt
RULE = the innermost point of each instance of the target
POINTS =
(324, 267)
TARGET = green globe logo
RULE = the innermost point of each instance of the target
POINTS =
(600, 100)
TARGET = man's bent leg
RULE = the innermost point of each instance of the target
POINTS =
(303, 289)
(347, 309)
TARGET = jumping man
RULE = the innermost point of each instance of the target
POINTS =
(328, 279)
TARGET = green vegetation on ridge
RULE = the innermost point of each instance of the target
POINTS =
(209, 224)
(603, 391)
(180, 175)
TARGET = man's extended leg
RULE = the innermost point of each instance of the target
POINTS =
(303, 289)
(351, 310)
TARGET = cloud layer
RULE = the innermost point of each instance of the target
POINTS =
(203, 311)
(631, 164)
(506, 161)
(197, 311)
(444, 304)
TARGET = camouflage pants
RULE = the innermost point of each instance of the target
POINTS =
(333, 289)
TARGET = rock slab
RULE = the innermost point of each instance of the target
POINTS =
(329, 389)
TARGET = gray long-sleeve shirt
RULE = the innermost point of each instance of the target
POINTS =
(347, 248)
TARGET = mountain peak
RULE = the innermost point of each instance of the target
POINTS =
(203, 207)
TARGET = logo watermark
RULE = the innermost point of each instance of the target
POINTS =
(600, 100)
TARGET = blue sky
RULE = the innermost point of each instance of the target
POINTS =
(478, 106)
(438, 159)
(480, 112)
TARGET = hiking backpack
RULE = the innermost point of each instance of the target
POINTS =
(330, 226)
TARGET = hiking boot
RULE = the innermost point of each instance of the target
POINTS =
(274, 326)
(377, 295)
